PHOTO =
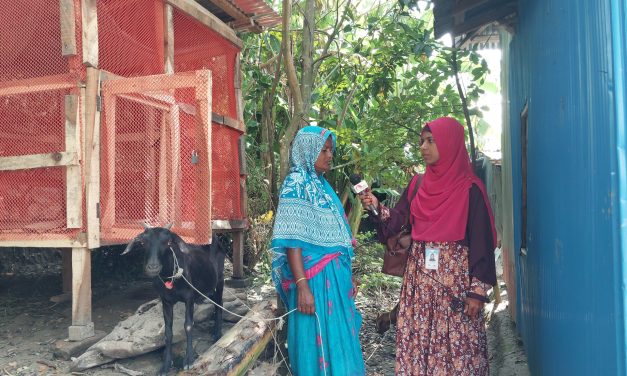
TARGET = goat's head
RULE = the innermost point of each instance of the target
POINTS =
(157, 243)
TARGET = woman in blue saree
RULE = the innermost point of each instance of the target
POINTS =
(311, 268)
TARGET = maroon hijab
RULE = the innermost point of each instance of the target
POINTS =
(440, 210)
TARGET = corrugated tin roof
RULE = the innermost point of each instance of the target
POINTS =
(259, 11)
(462, 16)
(243, 15)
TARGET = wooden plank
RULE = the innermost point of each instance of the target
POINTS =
(146, 84)
(34, 85)
(177, 172)
(228, 121)
(92, 156)
(108, 209)
(81, 286)
(73, 179)
(153, 170)
(68, 27)
(168, 48)
(165, 173)
(203, 148)
(221, 224)
(238, 254)
(25, 162)
(66, 270)
(241, 153)
(237, 84)
(205, 17)
(90, 32)
(145, 100)
(34, 240)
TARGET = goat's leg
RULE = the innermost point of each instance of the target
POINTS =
(168, 312)
(189, 324)
(217, 313)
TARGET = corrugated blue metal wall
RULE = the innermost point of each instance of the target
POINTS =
(570, 284)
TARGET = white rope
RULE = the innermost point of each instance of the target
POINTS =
(178, 272)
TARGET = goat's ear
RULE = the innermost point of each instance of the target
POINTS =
(129, 246)
(169, 225)
(183, 246)
(146, 226)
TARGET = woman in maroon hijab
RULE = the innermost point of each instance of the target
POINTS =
(440, 326)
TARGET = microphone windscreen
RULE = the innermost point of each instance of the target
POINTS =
(354, 179)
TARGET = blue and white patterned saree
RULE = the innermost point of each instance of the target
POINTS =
(310, 216)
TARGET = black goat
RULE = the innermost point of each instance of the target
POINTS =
(169, 262)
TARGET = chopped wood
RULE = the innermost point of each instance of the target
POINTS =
(237, 350)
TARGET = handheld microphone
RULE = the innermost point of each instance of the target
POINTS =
(360, 187)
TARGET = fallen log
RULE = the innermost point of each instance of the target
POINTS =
(144, 331)
(237, 350)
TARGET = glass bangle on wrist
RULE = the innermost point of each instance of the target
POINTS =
(300, 279)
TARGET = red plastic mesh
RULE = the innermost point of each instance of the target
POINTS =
(148, 173)
(33, 201)
(130, 37)
(225, 188)
(131, 43)
(198, 47)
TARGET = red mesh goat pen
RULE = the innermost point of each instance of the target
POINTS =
(115, 113)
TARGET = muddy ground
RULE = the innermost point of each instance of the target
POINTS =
(30, 323)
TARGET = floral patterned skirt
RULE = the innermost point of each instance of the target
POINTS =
(431, 338)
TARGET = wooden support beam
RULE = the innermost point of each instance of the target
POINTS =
(177, 172)
(33, 85)
(35, 240)
(90, 32)
(68, 27)
(107, 218)
(205, 17)
(146, 84)
(168, 48)
(66, 270)
(165, 173)
(73, 179)
(228, 121)
(92, 156)
(237, 84)
(238, 254)
(227, 225)
(25, 162)
(203, 165)
(82, 326)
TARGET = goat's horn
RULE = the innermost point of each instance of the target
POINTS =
(146, 226)
(169, 225)
(129, 246)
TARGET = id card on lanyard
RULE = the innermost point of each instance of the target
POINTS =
(432, 258)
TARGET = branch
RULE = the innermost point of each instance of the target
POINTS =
(473, 151)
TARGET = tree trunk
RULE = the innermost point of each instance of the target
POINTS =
(309, 27)
(295, 93)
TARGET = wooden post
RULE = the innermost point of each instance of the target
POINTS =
(66, 270)
(203, 150)
(82, 326)
(108, 210)
(92, 156)
(90, 33)
(168, 41)
(238, 236)
(73, 179)
(68, 27)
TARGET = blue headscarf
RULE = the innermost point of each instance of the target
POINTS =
(310, 216)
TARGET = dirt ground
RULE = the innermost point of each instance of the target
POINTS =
(30, 325)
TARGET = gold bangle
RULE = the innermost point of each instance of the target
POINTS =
(300, 279)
